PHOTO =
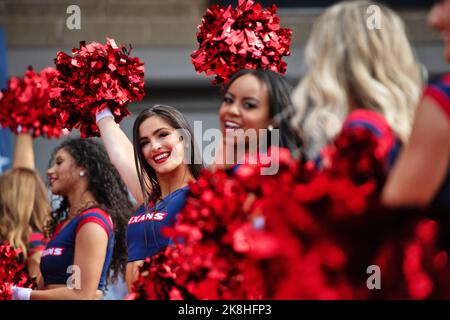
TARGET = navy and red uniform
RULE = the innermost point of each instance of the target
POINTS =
(144, 237)
(439, 91)
(60, 251)
(36, 242)
(374, 122)
(377, 124)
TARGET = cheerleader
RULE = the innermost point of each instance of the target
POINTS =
(357, 77)
(88, 228)
(156, 168)
(255, 100)
(425, 161)
(24, 206)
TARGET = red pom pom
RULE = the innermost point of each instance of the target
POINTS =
(97, 76)
(12, 272)
(304, 233)
(25, 104)
(248, 37)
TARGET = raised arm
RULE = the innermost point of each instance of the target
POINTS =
(423, 163)
(121, 154)
(23, 153)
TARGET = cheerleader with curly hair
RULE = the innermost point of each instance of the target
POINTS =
(87, 246)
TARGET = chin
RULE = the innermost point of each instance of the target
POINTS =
(56, 192)
(166, 168)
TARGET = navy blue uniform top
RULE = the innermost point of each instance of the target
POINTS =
(439, 91)
(58, 256)
(144, 237)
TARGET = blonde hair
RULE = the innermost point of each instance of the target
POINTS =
(24, 206)
(353, 66)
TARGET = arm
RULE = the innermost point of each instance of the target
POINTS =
(121, 153)
(132, 273)
(423, 164)
(89, 258)
(23, 153)
(33, 263)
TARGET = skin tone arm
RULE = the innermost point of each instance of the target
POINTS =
(33, 264)
(132, 273)
(23, 153)
(423, 164)
(121, 152)
(89, 258)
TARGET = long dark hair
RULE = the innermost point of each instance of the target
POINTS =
(281, 109)
(145, 172)
(108, 189)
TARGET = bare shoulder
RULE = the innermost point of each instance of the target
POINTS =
(431, 123)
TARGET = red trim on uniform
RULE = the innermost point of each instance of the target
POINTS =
(36, 249)
(387, 138)
(372, 117)
(58, 229)
(100, 212)
(446, 79)
(96, 220)
(36, 236)
(441, 98)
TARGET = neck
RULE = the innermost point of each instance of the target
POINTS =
(174, 180)
(236, 154)
(79, 199)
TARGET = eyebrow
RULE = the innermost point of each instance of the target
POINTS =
(245, 98)
(154, 132)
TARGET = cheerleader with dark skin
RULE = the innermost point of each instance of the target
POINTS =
(88, 227)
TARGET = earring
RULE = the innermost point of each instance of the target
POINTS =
(270, 127)
(82, 173)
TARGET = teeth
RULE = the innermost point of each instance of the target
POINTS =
(161, 156)
(232, 125)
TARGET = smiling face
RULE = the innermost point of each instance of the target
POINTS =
(439, 19)
(161, 145)
(64, 174)
(245, 106)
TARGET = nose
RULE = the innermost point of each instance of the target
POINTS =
(156, 145)
(434, 17)
(50, 171)
(233, 109)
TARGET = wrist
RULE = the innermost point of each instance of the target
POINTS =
(19, 293)
(105, 113)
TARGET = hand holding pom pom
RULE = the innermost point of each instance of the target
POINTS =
(12, 273)
(247, 37)
(96, 77)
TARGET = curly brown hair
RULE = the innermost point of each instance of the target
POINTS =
(109, 191)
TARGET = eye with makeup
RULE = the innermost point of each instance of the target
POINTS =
(163, 134)
(250, 105)
(143, 143)
(58, 161)
(227, 99)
